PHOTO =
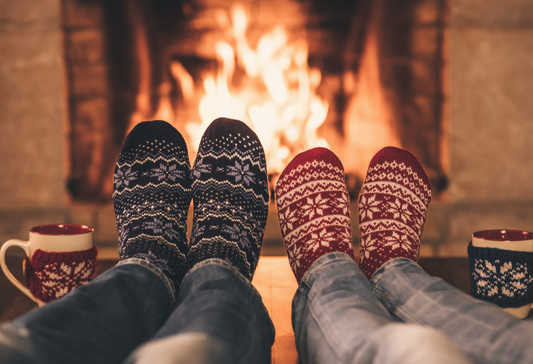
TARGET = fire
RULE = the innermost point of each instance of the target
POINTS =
(277, 97)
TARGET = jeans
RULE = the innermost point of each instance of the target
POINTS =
(402, 315)
(129, 313)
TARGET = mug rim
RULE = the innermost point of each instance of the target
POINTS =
(61, 229)
(503, 235)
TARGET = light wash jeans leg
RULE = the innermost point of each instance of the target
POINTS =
(337, 319)
(482, 330)
(100, 322)
(219, 318)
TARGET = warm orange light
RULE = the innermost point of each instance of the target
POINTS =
(277, 99)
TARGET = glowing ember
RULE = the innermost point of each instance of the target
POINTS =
(276, 98)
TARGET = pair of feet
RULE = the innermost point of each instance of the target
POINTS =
(154, 186)
(314, 209)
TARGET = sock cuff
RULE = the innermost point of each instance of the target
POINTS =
(503, 277)
(225, 250)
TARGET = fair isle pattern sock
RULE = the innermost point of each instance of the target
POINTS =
(392, 209)
(151, 197)
(230, 196)
(313, 209)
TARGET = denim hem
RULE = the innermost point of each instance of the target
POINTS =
(225, 264)
(154, 269)
(390, 264)
(308, 277)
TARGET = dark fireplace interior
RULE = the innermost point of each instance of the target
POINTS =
(377, 65)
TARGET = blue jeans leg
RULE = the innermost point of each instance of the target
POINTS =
(337, 319)
(482, 330)
(100, 322)
(219, 318)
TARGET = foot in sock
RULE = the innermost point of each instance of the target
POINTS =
(230, 196)
(313, 209)
(392, 209)
(151, 197)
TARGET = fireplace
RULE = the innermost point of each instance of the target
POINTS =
(352, 76)
(445, 72)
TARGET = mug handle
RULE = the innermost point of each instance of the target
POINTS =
(24, 245)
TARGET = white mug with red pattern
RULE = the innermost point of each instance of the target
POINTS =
(59, 258)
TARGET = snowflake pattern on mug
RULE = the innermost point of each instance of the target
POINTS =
(501, 279)
(51, 275)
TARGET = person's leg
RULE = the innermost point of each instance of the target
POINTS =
(103, 321)
(337, 319)
(335, 316)
(392, 210)
(100, 322)
(481, 329)
(220, 317)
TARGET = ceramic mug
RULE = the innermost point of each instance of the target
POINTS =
(59, 258)
(508, 240)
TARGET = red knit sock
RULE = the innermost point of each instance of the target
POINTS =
(392, 209)
(313, 209)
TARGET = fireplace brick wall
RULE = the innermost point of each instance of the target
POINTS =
(32, 116)
(490, 122)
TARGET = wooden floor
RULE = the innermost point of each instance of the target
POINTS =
(273, 279)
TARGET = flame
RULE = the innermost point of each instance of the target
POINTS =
(368, 118)
(277, 98)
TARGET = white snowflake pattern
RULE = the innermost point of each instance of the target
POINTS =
(345, 237)
(60, 278)
(158, 227)
(200, 168)
(368, 206)
(315, 207)
(241, 173)
(295, 254)
(366, 247)
(122, 239)
(125, 178)
(197, 233)
(323, 238)
(164, 172)
(237, 234)
(343, 203)
(418, 224)
(501, 279)
(397, 241)
(399, 211)
(287, 218)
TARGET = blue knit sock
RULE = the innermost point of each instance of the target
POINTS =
(230, 196)
(151, 197)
